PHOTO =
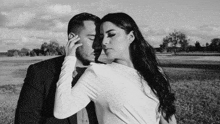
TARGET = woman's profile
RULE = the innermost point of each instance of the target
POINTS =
(130, 90)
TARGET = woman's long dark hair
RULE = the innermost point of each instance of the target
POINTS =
(144, 60)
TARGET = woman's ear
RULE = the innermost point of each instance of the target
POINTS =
(131, 36)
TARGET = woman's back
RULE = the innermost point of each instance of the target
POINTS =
(120, 96)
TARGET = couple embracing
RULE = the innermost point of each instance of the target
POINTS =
(132, 89)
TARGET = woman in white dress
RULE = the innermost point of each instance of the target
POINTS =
(130, 90)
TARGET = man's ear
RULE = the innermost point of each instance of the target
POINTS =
(71, 35)
(131, 36)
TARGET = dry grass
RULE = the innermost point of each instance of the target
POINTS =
(8, 101)
(198, 95)
(197, 89)
(198, 102)
(13, 71)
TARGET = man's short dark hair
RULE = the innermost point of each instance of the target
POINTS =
(76, 22)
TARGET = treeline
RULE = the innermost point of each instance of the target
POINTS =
(175, 42)
(46, 49)
(178, 42)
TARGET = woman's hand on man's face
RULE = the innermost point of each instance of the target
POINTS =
(72, 45)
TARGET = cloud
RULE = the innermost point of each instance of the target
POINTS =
(147, 30)
(193, 40)
(155, 40)
(50, 24)
(19, 18)
(18, 33)
(101, 7)
(54, 17)
(28, 38)
(207, 30)
(155, 35)
(104, 5)
(2, 19)
(59, 9)
(30, 26)
(210, 29)
(20, 3)
(46, 17)
(59, 26)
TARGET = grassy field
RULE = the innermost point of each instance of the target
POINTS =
(194, 79)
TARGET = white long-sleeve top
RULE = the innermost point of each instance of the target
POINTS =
(120, 95)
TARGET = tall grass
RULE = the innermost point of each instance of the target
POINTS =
(197, 95)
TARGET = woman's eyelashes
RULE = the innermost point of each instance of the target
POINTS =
(108, 35)
(111, 35)
(92, 38)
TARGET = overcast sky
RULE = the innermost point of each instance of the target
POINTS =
(29, 23)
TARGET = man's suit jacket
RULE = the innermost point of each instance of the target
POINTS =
(36, 101)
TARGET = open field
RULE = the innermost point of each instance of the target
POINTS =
(194, 79)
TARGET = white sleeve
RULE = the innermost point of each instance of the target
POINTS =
(69, 100)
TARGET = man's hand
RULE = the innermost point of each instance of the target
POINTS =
(72, 45)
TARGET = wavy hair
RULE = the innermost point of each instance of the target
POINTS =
(144, 60)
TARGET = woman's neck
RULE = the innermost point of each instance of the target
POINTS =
(124, 62)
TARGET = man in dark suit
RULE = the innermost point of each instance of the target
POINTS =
(36, 101)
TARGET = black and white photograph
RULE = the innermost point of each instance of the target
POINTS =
(109, 62)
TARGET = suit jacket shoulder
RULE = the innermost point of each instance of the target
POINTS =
(36, 100)
(51, 65)
(40, 75)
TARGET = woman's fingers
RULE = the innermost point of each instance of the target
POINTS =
(72, 38)
(73, 42)
(72, 45)
(78, 45)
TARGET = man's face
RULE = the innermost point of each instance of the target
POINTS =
(86, 53)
